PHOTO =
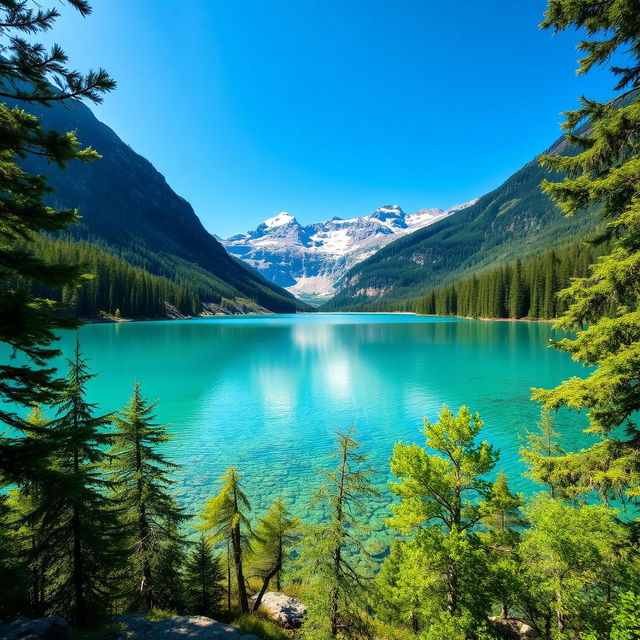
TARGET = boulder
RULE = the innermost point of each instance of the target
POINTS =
(527, 631)
(284, 609)
(38, 629)
(178, 628)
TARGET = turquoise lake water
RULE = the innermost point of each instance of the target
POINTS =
(266, 393)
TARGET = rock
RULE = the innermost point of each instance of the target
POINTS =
(179, 628)
(288, 611)
(527, 631)
(38, 629)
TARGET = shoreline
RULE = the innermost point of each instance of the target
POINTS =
(113, 320)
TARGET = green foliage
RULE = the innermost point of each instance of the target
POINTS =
(112, 285)
(336, 590)
(523, 289)
(274, 537)
(574, 562)
(225, 517)
(69, 525)
(141, 481)
(502, 522)
(261, 627)
(443, 496)
(167, 569)
(203, 580)
(626, 617)
(603, 307)
(28, 322)
(540, 445)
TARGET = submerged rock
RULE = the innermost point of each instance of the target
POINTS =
(284, 609)
(38, 629)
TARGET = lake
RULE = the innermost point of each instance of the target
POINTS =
(267, 393)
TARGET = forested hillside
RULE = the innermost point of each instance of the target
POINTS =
(521, 289)
(515, 220)
(112, 285)
(127, 206)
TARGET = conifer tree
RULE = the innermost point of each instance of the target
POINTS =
(604, 307)
(225, 518)
(141, 480)
(439, 489)
(574, 567)
(168, 573)
(27, 506)
(28, 73)
(274, 535)
(203, 580)
(404, 589)
(515, 292)
(83, 531)
(502, 519)
(337, 588)
(538, 446)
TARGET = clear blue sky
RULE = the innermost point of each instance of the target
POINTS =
(329, 107)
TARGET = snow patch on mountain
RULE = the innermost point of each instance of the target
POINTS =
(310, 260)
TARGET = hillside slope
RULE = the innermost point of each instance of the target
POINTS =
(128, 208)
(513, 221)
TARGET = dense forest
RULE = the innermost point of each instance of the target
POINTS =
(112, 285)
(523, 289)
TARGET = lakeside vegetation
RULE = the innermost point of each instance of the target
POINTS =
(88, 523)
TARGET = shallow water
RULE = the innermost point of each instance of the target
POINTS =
(266, 393)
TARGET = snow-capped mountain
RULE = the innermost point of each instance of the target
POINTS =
(310, 260)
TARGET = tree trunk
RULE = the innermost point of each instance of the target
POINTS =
(78, 571)
(559, 615)
(78, 560)
(338, 551)
(144, 532)
(265, 586)
(237, 557)
(452, 590)
(228, 578)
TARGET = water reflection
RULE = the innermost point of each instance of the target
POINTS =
(267, 393)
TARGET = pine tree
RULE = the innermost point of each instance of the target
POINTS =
(83, 531)
(502, 519)
(168, 572)
(573, 566)
(439, 489)
(140, 475)
(203, 580)
(537, 447)
(27, 505)
(274, 535)
(28, 73)
(225, 518)
(604, 307)
(336, 587)
(516, 292)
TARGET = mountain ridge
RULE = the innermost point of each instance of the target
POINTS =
(514, 220)
(310, 260)
(130, 210)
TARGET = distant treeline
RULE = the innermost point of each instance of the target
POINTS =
(522, 289)
(115, 286)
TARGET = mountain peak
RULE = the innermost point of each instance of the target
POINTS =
(277, 221)
(392, 209)
(309, 260)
